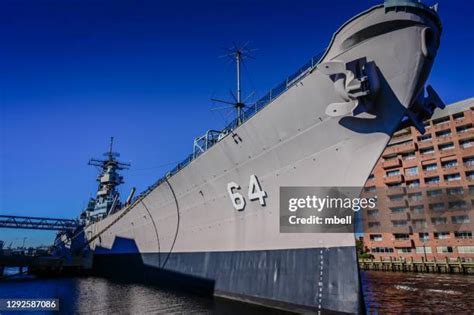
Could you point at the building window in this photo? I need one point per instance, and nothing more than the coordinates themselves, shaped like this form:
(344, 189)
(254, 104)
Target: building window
(376, 237)
(455, 191)
(466, 249)
(396, 197)
(423, 250)
(393, 173)
(398, 209)
(471, 189)
(373, 212)
(417, 209)
(441, 235)
(437, 206)
(371, 176)
(444, 249)
(458, 204)
(427, 150)
(370, 189)
(434, 193)
(394, 185)
(424, 236)
(430, 167)
(403, 250)
(440, 121)
(398, 223)
(439, 221)
(466, 143)
(432, 180)
(458, 116)
(390, 157)
(449, 164)
(421, 223)
(463, 129)
(470, 175)
(446, 146)
(373, 225)
(413, 183)
(458, 219)
(443, 133)
(408, 156)
(468, 161)
(452, 177)
(415, 196)
(381, 250)
(411, 171)
(401, 236)
(399, 144)
(424, 138)
(463, 234)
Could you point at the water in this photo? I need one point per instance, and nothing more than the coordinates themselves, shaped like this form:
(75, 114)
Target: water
(384, 293)
(389, 292)
(92, 295)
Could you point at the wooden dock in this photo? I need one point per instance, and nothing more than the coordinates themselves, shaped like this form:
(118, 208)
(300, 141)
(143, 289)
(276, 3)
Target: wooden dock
(409, 265)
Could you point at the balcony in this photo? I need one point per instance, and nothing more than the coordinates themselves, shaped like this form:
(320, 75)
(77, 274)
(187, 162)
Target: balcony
(445, 139)
(459, 121)
(411, 176)
(425, 144)
(441, 125)
(469, 165)
(418, 215)
(429, 173)
(402, 243)
(450, 168)
(401, 229)
(395, 191)
(395, 179)
(403, 215)
(394, 203)
(392, 163)
(465, 135)
(446, 152)
(416, 201)
(401, 148)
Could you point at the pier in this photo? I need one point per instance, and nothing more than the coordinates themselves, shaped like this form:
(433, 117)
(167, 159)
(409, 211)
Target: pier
(409, 265)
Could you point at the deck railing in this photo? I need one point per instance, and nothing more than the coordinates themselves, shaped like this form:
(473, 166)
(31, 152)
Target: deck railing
(247, 114)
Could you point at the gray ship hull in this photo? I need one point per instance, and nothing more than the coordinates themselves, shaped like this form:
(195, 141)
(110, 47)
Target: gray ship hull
(187, 225)
(248, 276)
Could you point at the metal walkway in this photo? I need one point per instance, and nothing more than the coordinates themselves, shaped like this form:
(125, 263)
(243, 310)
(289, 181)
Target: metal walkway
(34, 223)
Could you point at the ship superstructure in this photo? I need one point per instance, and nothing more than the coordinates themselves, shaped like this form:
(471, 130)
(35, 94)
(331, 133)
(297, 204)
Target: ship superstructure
(107, 199)
(213, 221)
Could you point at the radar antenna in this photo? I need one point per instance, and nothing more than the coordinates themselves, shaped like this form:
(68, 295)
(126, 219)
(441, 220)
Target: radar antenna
(107, 197)
(237, 53)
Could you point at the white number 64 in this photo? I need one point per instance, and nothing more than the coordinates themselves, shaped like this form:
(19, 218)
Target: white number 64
(255, 192)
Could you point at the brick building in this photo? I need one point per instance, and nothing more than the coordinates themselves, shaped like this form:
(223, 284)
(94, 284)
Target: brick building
(425, 187)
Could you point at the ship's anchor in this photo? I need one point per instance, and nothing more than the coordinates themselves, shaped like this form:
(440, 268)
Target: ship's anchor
(356, 82)
(423, 108)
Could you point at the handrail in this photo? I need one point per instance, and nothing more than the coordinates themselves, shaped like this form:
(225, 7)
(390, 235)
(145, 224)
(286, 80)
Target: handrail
(247, 114)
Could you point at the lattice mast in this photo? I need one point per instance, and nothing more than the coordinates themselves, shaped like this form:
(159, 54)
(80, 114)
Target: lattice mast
(107, 197)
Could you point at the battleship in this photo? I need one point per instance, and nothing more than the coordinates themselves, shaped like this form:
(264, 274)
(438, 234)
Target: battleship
(213, 221)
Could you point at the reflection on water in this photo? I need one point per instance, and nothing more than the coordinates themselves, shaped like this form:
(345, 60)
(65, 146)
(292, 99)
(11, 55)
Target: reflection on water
(91, 295)
(390, 292)
(385, 292)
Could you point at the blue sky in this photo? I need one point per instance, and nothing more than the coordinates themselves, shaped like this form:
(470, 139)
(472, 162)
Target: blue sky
(74, 73)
